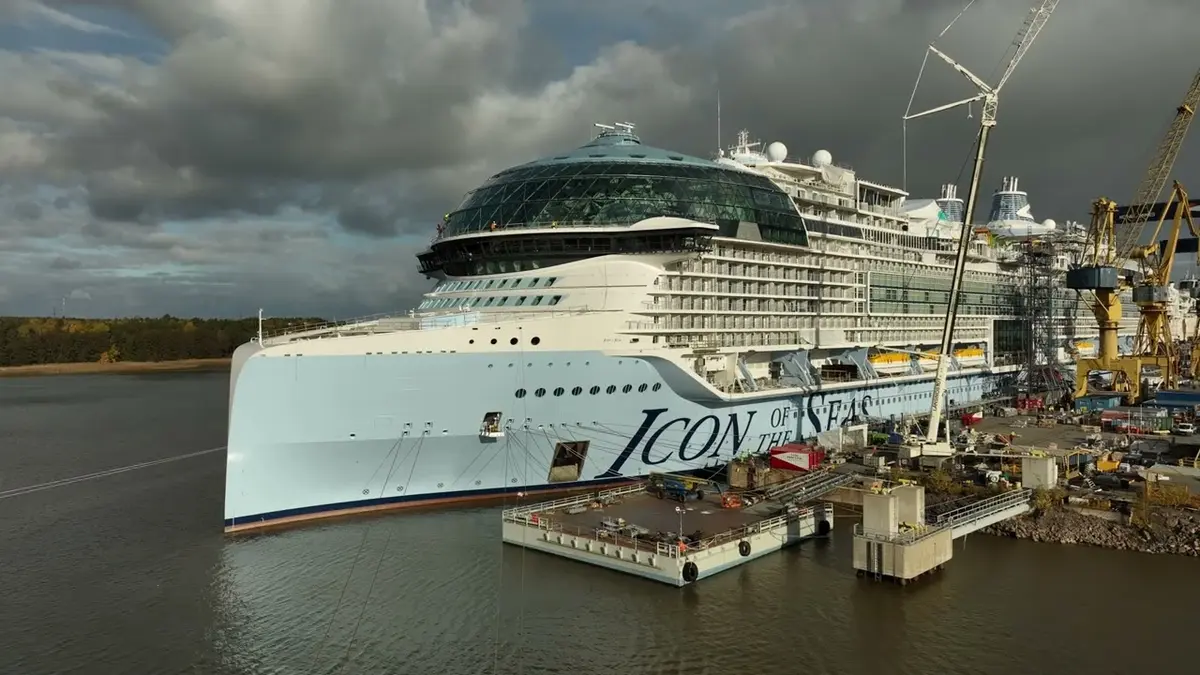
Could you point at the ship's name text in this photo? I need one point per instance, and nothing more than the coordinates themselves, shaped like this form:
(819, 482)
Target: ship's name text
(701, 440)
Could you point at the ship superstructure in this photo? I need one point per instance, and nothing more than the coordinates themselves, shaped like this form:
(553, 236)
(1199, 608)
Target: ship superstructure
(618, 309)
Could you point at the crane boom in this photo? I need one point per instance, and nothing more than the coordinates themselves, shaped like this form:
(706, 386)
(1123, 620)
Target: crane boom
(1034, 23)
(1141, 208)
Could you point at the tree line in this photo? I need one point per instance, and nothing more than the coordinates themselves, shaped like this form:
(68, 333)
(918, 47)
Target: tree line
(39, 340)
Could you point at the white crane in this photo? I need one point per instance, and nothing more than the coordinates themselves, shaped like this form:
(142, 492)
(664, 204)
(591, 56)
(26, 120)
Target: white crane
(990, 97)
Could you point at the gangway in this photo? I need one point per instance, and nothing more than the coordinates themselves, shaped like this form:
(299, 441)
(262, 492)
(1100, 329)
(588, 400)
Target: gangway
(978, 515)
(896, 540)
(808, 486)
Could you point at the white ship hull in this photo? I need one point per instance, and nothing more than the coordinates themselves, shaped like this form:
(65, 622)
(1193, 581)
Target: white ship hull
(321, 435)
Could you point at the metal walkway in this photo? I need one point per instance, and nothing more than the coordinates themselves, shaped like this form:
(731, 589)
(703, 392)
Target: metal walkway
(809, 486)
(976, 516)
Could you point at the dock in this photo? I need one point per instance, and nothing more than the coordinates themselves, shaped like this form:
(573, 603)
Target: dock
(896, 541)
(630, 529)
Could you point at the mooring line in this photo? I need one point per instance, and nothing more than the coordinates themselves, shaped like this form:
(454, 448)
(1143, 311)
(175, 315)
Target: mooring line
(28, 489)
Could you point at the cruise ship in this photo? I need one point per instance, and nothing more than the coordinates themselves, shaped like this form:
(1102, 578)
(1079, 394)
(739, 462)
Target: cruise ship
(619, 309)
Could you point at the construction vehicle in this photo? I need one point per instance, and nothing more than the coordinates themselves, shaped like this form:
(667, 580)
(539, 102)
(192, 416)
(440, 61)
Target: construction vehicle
(679, 487)
(1104, 276)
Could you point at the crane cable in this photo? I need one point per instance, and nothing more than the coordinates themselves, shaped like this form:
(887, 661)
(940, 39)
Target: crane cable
(912, 96)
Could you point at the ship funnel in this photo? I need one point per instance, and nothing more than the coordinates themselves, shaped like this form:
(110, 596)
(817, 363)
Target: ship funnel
(952, 207)
(1009, 203)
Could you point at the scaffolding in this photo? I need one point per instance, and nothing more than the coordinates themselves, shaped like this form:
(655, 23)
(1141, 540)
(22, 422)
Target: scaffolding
(1047, 314)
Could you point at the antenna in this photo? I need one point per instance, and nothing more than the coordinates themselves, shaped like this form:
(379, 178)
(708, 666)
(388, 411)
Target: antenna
(606, 127)
(627, 126)
(718, 115)
(990, 98)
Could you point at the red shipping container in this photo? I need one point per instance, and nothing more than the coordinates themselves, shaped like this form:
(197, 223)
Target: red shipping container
(796, 457)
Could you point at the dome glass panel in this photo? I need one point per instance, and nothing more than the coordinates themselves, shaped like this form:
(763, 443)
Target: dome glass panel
(621, 184)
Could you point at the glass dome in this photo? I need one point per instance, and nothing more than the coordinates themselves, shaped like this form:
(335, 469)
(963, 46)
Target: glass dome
(615, 180)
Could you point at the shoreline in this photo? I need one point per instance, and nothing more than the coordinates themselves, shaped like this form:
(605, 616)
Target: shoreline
(1170, 531)
(120, 367)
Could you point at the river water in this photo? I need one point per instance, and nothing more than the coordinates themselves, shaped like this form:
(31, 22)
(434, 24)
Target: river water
(129, 572)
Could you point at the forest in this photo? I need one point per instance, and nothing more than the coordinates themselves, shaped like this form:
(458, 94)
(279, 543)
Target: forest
(35, 340)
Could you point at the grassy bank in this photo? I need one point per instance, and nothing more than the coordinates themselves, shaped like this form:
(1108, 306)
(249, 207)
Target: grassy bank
(179, 365)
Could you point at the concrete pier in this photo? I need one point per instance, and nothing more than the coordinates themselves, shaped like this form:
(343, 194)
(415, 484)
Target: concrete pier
(894, 541)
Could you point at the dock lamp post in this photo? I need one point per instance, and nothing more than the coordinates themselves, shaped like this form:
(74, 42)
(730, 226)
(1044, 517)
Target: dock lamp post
(680, 510)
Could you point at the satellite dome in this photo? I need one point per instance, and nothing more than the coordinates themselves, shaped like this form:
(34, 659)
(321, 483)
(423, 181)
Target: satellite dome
(777, 152)
(822, 158)
(1049, 222)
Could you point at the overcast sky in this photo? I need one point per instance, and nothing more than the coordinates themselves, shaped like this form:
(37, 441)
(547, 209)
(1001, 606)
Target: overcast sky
(209, 157)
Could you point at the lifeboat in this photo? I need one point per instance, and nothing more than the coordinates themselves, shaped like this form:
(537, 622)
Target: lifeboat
(891, 362)
(970, 357)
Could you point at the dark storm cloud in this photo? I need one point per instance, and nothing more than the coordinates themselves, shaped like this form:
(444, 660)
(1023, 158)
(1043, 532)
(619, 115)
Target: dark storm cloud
(375, 116)
(64, 263)
(28, 210)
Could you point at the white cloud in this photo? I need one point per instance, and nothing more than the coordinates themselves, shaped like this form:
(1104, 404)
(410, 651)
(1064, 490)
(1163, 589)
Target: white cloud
(249, 163)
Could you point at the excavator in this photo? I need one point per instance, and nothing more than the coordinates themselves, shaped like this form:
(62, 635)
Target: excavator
(1104, 274)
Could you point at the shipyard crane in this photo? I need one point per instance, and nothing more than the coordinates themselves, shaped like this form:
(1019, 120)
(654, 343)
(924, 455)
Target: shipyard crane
(1109, 248)
(989, 96)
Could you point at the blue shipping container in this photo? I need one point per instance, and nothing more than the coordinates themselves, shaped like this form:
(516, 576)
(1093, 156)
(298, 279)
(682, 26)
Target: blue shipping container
(1097, 402)
(1177, 397)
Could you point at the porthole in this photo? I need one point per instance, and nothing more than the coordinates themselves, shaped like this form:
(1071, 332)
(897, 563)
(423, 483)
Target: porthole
(610, 389)
(577, 391)
(594, 390)
(539, 392)
(559, 391)
(470, 342)
(642, 388)
(493, 340)
(535, 341)
(656, 387)
(520, 393)
(512, 341)
(626, 389)
(441, 484)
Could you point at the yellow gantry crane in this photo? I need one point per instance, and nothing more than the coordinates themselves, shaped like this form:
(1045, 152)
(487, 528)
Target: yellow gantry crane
(1109, 250)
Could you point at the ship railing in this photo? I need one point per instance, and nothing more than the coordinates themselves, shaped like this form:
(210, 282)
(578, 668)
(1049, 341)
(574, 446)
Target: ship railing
(524, 512)
(600, 535)
(907, 536)
(759, 527)
(295, 329)
(392, 322)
